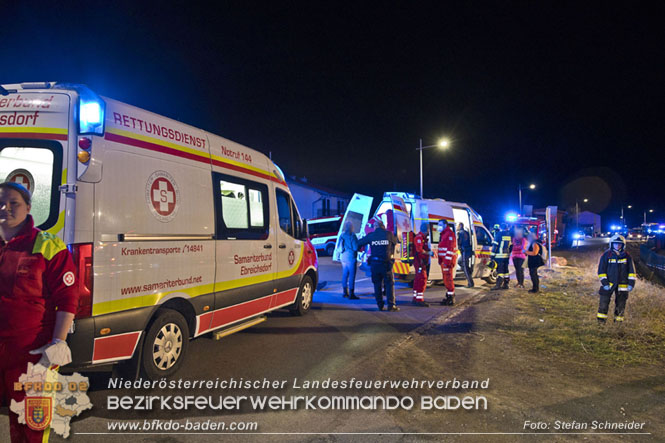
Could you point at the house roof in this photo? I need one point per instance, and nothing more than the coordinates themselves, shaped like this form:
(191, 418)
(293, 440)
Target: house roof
(305, 183)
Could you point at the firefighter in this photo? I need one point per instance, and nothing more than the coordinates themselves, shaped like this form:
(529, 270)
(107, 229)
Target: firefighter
(447, 254)
(38, 299)
(382, 250)
(617, 276)
(501, 254)
(421, 261)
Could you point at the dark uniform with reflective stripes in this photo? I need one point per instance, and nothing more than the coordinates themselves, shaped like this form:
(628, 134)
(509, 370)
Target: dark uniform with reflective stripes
(382, 244)
(616, 271)
(501, 254)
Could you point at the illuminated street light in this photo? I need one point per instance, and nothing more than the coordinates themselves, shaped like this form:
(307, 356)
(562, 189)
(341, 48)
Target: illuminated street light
(444, 143)
(519, 189)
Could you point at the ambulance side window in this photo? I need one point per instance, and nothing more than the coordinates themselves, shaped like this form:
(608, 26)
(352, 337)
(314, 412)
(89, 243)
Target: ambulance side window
(484, 237)
(241, 208)
(284, 211)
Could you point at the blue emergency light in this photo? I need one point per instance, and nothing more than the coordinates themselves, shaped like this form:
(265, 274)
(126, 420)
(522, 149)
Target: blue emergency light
(511, 217)
(91, 109)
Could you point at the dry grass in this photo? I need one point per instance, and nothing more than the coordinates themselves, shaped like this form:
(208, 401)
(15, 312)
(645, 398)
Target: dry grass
(561, 321)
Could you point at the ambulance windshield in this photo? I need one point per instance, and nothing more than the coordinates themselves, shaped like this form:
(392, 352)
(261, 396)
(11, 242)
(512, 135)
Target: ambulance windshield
(34, 168)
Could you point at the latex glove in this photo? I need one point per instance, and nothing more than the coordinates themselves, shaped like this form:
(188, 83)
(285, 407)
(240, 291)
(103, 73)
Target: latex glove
(607, 287)
(630, 288)
(56, 352)
(431, 253)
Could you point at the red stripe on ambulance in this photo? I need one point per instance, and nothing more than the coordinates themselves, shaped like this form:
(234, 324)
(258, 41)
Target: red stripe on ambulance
(115, 347)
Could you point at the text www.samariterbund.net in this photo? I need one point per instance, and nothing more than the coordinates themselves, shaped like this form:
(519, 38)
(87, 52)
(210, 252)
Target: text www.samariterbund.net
(157, 425)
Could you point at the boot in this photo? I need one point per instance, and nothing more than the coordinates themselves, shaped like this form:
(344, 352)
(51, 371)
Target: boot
(352, 295)
(346, 293)
(506, 283)
(421, 303)
(498, 285)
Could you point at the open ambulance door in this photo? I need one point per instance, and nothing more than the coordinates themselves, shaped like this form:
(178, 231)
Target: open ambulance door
(358, 214)
(401, 225)
(463, 215)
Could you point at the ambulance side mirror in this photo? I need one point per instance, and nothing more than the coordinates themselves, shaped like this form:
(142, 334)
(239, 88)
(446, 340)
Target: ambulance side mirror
(301, 230)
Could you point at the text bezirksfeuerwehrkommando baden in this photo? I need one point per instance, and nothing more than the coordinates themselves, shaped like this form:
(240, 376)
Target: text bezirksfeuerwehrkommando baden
(341, 399)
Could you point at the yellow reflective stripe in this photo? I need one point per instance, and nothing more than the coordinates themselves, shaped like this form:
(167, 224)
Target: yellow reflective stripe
(623, 286)
(35, 130)
(631, 275)
(619, 318)
(602, 275)
(601, 315)
(48, 245)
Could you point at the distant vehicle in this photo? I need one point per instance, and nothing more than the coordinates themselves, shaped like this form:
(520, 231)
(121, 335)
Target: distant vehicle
(323, 233)
(635, 234)
(403, 213)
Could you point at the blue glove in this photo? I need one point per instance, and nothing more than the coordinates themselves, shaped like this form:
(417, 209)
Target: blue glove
(630, 288)
(431, 253)
(607, 287)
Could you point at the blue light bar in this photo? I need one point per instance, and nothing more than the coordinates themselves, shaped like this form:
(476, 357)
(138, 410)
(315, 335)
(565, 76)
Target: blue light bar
(511, 217)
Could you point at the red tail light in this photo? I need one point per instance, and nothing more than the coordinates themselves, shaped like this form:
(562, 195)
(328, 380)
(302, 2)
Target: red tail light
(82, 255)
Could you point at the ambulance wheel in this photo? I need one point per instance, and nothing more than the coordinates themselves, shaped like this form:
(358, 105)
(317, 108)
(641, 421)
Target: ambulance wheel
(165, 344)
(491, 278)
(330, 250)
(304, 299)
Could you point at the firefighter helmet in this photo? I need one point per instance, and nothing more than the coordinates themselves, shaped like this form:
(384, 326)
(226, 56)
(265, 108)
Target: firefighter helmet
(492, 264)
(618, 239)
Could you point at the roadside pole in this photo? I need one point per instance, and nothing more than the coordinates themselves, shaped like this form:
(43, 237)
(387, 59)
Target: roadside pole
(548, 215)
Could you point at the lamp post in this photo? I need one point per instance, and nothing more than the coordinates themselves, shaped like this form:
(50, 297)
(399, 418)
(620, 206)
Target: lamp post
(577, 211)
(443, 144)
(645, 216)
(519, 189)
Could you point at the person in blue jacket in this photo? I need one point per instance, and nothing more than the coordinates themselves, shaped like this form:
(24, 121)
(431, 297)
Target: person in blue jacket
(348, 248)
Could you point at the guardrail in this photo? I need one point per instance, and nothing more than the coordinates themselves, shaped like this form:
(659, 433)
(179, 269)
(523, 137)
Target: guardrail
(654, 262)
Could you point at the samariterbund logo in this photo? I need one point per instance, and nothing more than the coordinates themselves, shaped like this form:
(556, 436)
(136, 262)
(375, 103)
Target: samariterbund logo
(292, 257)
(22, 177)
(162, 196)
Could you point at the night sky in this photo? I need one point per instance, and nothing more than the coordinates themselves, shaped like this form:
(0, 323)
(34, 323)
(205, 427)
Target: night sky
(566, 95)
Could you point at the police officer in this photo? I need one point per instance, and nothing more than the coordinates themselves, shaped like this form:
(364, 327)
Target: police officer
(421, 262)
(466, 248)
(617, 276)
(38, 300)
(501, 254)
(382, 249)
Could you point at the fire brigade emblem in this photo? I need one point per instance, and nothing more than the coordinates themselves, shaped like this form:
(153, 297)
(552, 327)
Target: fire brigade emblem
(38, 412)
(292, 257)
(162, 196)
(22, 177)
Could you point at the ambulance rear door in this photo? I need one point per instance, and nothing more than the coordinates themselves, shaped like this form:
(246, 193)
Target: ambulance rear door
(401, 225)
(34, 133)
(357, 213)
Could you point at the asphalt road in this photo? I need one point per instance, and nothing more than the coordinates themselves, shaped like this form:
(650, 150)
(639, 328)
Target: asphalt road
(333, 337)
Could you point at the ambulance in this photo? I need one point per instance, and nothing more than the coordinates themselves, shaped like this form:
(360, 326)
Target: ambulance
(403, 212)
(175, 232)
(323, 233)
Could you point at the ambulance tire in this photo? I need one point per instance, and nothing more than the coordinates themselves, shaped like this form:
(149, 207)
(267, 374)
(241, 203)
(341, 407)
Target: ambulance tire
(169, 327)
(330, 250)
(491, 278)
(304, 299)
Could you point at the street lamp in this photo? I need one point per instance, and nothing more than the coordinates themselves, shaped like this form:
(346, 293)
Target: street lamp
(645, 215)
(442, 144)
(519, 188)
(577, 211)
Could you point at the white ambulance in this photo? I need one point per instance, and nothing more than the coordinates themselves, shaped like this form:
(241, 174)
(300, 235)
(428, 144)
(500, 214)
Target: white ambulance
(176, 232)
(403, 212)
(323, 233)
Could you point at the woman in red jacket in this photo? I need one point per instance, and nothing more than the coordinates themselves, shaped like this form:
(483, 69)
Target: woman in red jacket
(38, 300)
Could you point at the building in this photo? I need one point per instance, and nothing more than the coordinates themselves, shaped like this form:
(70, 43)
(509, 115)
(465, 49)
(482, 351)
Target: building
(317, 201)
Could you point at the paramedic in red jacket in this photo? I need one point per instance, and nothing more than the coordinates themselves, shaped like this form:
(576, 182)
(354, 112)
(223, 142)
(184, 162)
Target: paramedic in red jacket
(37, 300)
(447, 254)
(421, 261)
